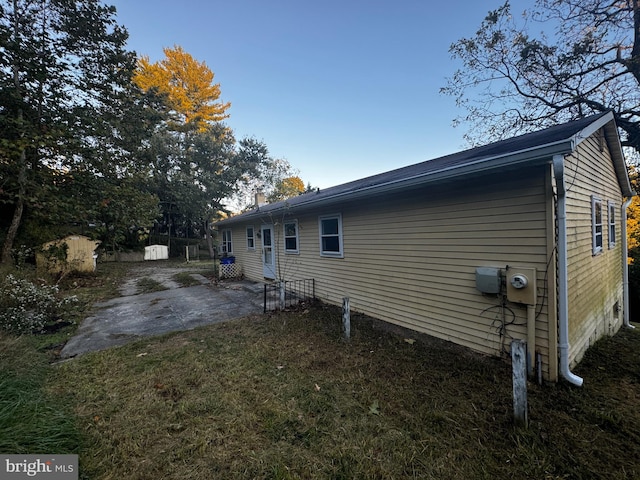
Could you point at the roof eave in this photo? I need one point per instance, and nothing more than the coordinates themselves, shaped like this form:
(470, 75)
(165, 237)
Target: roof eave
(536, 155)
(531, 157)
(613, 140)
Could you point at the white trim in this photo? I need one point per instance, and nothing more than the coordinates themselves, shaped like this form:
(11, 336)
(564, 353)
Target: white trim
(269, 252)
(611, 221)
(297, 237)
(331, 253)
(535, 155)
(595, 235)
(252, 237)
(226, 241)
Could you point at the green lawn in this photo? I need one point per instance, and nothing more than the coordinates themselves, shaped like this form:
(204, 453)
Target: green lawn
(284, 396)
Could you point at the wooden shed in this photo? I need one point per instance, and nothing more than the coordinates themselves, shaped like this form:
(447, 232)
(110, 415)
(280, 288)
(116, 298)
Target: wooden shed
(519, 239)
(72, 253)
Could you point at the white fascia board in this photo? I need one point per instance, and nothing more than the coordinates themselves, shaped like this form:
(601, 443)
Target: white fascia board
(619, 163)
(613, 140)
(592, 128)
(536, 155)
(531, 156)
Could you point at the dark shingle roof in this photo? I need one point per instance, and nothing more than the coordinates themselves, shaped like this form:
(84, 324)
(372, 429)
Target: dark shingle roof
(540, 145)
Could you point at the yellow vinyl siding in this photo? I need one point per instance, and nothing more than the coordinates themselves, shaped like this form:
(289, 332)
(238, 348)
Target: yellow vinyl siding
(410, 258)
(595, 281)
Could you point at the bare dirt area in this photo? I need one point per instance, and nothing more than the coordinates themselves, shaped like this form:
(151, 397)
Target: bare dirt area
(154, 300)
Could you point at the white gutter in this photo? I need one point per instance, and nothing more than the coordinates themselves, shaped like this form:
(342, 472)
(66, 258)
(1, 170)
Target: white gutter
(625, 264)
(563, 297)
(539, 153)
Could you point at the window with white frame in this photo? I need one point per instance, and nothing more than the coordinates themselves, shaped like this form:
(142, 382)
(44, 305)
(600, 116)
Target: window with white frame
(291, 236)
(330, 227)
(251, 238)
(596, 224)
(612, 224)
(227, 245)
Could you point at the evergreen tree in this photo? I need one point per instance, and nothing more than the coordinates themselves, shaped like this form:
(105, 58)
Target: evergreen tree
(66, 103)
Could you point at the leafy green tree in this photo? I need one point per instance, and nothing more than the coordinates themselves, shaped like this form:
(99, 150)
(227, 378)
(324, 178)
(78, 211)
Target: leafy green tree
(66, 102)
(123, 213)
(194, 171)
(195, 161)
(267, 179)
(559, 60)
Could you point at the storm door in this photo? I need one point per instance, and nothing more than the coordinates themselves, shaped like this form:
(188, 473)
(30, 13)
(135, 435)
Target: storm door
(268, 252)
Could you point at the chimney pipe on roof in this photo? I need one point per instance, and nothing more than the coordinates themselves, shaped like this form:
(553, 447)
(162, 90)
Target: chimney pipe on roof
(260, 199)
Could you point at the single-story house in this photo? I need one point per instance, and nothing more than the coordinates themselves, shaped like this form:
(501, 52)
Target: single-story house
(519, 239)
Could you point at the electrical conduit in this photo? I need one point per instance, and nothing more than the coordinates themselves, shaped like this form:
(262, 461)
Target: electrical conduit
(531, 338)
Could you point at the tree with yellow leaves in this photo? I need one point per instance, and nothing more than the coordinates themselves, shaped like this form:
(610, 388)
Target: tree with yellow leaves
(633, 224)
(286, 188)
(633, 218)
(187, 86)
(633, 244)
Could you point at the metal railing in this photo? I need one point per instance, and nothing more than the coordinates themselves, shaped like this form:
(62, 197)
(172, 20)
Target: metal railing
(285, 294)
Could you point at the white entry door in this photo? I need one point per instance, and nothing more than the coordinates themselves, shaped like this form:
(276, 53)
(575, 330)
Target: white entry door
(268, 252)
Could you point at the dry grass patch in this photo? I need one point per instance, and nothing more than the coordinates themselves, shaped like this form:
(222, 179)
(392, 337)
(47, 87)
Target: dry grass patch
(99, 286)
(285, 397)
(185, 279)
(149, 285)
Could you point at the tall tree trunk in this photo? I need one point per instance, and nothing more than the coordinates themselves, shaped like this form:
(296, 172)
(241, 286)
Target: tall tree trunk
(22, 174)
(207, 235)
(17, 213)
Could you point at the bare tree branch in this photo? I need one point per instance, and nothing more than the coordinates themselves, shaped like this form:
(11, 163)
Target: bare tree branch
(587, 60)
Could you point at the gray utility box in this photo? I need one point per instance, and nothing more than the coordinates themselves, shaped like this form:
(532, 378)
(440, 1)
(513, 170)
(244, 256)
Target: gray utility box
(489, 279)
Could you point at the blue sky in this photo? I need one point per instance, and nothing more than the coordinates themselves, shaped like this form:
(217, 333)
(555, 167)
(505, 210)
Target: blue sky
(341, 89)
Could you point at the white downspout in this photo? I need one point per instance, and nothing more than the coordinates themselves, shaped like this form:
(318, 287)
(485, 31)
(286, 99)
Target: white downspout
(625, 264)
(563, 298)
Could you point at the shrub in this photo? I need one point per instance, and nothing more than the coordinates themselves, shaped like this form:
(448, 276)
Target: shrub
(23, 256)
(27, 308)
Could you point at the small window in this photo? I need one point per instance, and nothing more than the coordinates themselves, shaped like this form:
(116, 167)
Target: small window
(331, 236)
(596, 224)
(612, 225)
(227, 245)
(251, 239)
(291, 237)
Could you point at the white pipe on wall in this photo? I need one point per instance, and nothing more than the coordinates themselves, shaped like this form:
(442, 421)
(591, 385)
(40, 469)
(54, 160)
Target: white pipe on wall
(563, 298)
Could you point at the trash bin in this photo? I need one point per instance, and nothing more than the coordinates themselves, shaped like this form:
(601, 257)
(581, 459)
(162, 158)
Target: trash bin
(227, 260)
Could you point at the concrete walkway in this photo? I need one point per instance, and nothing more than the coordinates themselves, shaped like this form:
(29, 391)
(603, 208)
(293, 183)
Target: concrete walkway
(131, 317)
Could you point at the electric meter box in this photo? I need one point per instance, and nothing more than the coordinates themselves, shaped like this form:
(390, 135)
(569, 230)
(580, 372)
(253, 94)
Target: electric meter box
(521, 285)
(488, 279)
